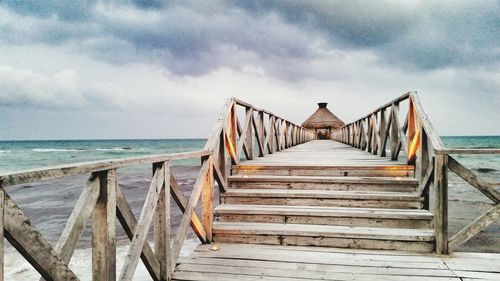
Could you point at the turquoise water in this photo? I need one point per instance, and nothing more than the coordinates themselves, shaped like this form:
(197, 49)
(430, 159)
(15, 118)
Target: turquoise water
(20, 155)
(488, 165)
(472, 141)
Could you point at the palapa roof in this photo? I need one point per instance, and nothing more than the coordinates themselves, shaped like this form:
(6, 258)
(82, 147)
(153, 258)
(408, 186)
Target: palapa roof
(323, 118)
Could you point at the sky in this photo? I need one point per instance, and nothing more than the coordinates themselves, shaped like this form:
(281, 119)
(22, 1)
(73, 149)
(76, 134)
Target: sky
(87, 69)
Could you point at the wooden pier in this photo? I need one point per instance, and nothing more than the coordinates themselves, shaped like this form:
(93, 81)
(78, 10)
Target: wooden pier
(369, 204)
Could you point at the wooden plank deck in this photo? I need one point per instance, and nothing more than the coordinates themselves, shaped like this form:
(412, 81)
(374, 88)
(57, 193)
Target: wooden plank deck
(313, 169)
(291, 263)
(322, 153)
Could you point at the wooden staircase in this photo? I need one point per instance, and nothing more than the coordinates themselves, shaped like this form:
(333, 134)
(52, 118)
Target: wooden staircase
(369, 207)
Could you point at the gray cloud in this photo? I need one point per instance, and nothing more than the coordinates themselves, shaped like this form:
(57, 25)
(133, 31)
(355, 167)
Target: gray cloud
(425, 35)
(196, 37)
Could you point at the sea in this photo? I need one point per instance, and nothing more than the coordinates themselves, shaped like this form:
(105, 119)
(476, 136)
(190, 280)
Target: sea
(48, 204)
(30, 154)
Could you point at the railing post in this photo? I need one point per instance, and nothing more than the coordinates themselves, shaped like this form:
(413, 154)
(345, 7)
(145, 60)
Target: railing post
(260, 127)
(441, 203)
(104, 228)
(222, 157)
(411, 127)
(285, 134)
(382, 133)
(271, 133)
(249, 134)
(394, 132)
(207, 214)
(162, 225)
(277, 133)
(423, 164)
(232, 132)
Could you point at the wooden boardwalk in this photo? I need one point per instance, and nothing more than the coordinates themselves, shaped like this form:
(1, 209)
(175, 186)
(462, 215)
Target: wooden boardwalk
(249, 262)
(324, 193)
(282, 239)
(322, 153)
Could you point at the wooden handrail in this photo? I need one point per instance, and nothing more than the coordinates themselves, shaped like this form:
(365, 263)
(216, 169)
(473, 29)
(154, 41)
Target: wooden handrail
(469, 151)
(423, 148)
(104, 200)
(39, 174)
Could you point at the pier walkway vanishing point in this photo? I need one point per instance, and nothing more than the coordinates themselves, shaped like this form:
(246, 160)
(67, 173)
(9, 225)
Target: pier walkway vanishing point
(369, 204)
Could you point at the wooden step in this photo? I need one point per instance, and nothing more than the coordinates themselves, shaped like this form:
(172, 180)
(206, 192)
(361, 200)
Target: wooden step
(329, 198)
(405, 184)
(325, 170)
(368, 217)
(324, 235)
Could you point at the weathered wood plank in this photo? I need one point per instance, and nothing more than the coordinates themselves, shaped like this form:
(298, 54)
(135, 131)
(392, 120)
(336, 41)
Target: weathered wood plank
(188, 213)
(182, 202)
(231, 148)
(82, 211)
(426, 180)
(239, 131)
(221, 158)
(271, 135)
(394, 134)
(219, 126)
(162, 228)
(243, 133)
(221, 182)
(104, 229)
(143, 225)
(30, 243)
(473, 179)
(207, 212)
(474, 228)
(261, 133)
(383, 133)
(435, 140)
(402, 136)
(441, 203)
(36, 175)
(129, 223)
(469, 151)
(258, 134)
(424, 161)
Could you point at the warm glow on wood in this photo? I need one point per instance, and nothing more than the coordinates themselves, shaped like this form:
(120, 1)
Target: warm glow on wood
(415, 144)
(231, 149)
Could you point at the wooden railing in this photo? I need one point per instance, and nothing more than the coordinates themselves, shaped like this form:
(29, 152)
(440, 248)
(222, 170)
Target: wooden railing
(103, 200)
(422, 147)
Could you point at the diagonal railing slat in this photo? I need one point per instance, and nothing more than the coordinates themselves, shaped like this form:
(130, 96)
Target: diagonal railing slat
(30, 243)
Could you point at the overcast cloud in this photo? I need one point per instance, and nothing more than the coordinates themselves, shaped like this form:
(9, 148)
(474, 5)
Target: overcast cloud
(123, 69)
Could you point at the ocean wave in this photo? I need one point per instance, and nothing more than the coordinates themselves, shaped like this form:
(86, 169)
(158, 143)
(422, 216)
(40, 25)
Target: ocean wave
(486, 170)
(56, 150)
(114, 149)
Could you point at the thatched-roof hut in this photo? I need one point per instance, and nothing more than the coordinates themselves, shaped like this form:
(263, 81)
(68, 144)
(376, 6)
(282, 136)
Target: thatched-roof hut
(323, 121)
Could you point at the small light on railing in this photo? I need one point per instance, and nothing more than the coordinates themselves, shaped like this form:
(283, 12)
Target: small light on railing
(215, 247)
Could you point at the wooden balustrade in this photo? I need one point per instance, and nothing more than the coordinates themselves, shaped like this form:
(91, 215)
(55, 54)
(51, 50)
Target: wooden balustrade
(103, 200)
(422, 147)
